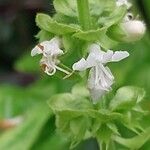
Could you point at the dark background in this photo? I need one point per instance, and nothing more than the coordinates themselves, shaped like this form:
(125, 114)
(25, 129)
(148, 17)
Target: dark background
(17, 31)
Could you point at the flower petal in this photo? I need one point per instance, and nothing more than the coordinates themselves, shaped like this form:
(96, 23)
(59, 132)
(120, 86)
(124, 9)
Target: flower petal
(95, 91)
(96, 54)
(52, 47)
(119, 55)
(107, 56)
(81, 65)
(94, 48)
(106, 71)
(37, 50)
(107, 81)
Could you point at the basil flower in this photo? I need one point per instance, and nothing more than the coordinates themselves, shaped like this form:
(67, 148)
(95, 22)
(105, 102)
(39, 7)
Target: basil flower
(50, 51)
(100, 77)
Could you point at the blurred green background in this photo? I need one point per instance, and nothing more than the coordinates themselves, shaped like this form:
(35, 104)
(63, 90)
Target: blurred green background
(25, 120)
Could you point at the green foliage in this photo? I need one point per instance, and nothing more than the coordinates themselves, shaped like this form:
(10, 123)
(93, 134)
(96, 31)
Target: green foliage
(115, 17)
(92, 35)
(119, 119)
(135, 142)
(68, 8)
(79, 119)
(66, 11)
(44, 35)
(46, 23)
(27, 64)
(27, 132)
(126, 98)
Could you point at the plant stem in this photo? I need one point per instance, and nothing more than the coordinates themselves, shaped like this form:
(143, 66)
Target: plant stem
(102, 146)
(84, 14)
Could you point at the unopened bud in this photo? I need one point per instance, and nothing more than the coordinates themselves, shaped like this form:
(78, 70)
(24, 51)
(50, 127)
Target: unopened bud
(128, 31)
(134, 30)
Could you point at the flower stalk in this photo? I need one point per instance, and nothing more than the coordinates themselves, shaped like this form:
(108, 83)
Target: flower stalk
(84, 14)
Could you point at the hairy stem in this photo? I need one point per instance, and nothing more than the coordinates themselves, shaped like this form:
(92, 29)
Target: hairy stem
(84, 14)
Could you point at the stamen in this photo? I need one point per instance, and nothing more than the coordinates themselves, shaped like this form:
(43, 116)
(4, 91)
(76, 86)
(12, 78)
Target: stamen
(62, 70)
(50, 71)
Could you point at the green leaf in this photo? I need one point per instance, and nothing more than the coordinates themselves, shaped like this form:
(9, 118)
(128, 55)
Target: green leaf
(68, 102)
(69, 7)
(59, 17)
(91, 35)
(126, 98)
(113, 128)
(23, 136)
(15, 100)
(46, 23)
(97, 7)
(114, 17)
(44, 36)
(98, 36)
(116, 33)
(135, 142)
(67, 107)
(27, 64)
(78, 127)
(80, 90)
(104, 115)
(104, 134)
(132, 122)
(71, 115)
(66, 7)
(106, 42)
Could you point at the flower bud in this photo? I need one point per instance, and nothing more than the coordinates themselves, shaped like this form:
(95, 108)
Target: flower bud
(134, 29)
(128, 31)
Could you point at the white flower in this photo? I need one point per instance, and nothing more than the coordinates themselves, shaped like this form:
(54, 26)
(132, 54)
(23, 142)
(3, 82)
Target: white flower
(50, 51)
(46, 48)
(123, 2)
(100, 77)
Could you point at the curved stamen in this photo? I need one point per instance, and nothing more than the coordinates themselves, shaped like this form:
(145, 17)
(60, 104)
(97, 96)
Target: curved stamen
(62, 70)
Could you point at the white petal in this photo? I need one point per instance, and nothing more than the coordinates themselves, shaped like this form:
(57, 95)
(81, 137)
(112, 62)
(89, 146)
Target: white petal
(56, 40)
(107, 56)
(92, 78)
(106, 81)
(94, 90)
(91, 60)
(52, 47)
(81, 65)
(36, 50)
(106, 71)
(95, 48)
(96, 54)
(119, 55)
